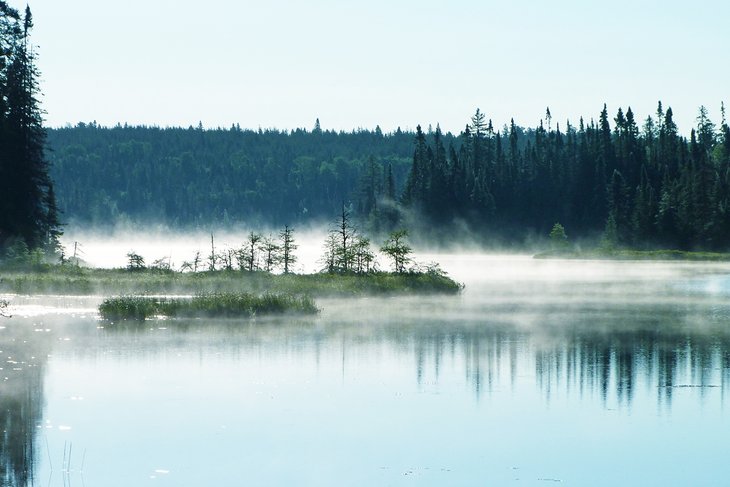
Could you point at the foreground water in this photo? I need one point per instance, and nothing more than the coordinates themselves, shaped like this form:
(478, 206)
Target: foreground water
(582, 373)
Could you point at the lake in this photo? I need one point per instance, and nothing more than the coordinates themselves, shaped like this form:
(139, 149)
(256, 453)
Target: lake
(540, 373)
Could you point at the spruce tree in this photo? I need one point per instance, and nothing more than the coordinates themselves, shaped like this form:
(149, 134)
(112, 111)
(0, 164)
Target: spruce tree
(287, 248)
(28, 211)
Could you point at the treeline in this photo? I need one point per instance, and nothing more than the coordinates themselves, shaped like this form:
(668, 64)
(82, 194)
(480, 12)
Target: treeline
(638, 186)
(200, 177)
(28, 214)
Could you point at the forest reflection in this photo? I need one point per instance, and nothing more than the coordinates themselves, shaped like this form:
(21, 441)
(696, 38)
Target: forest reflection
(587, 352)
(601, 351)
(23, 352)
(616, 354)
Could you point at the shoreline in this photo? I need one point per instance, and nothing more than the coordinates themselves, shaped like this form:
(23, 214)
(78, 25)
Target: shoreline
(73, 280)
(636, 255)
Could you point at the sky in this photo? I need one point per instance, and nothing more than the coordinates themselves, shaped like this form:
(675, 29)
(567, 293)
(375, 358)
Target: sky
(357, 64)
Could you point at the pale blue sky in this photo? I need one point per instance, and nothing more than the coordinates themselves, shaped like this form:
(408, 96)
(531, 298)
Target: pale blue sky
(394, 63)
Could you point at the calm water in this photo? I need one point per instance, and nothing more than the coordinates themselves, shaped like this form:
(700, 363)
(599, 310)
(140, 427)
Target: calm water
(579, 373)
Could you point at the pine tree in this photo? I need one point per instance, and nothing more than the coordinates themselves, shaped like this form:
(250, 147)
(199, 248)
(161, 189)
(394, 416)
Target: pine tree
(345, 236)
(272, 253)
(287, 248)
(416, 186)
(28, 210)
(437, 199)
(248, 259)
(558, 238)
(705, 131)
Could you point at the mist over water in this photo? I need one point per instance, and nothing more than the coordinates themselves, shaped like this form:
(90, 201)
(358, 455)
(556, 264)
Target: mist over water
(587, 373)
(109, 249)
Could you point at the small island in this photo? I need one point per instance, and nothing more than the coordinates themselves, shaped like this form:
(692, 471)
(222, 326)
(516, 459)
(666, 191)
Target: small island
(255, 279)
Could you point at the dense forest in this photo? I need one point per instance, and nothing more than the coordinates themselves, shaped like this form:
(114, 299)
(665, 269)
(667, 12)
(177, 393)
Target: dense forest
(630, 183)
(638, 186)
(199, 177)
(28, 214)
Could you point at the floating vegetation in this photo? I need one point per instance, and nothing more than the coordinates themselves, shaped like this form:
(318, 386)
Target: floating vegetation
(219, 305)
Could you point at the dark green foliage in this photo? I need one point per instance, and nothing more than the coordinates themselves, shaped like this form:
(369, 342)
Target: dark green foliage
(228, 305)
(647, 189)
(558, 238)
(28, 211)
(656, 187)
(190, 177)
(135, 262)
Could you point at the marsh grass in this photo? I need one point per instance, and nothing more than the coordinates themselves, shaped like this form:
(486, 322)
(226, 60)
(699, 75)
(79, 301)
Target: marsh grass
(217, 305)
(626, 254)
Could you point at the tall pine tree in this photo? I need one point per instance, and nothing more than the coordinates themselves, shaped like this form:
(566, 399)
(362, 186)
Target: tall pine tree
(28, 213)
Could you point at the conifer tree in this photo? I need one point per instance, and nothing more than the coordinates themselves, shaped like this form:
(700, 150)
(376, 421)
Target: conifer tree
(28, 211)
(272, 253)
(398, 250)
(558, 238)
(287, 248)
(249, 252)
(345, 233)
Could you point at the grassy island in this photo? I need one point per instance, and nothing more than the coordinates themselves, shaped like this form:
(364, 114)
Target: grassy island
(68, 279)
(219, 305)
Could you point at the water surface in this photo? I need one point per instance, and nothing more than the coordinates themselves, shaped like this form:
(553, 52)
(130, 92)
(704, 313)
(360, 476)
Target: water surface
(542, 372)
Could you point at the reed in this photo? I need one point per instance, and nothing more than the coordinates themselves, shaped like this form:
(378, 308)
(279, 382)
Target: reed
(219, 305)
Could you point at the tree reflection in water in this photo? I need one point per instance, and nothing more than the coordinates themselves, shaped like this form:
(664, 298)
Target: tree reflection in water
(615, 354)
(22, 361)
(604, 351)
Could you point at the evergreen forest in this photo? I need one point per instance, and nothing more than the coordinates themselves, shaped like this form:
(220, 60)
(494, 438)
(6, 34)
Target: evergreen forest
(196, 177)
(632, 183)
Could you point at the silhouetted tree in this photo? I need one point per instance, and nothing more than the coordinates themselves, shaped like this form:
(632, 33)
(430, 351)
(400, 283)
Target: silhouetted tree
(287, 248)
(272, 253)
(27, 200)
(135, 262)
